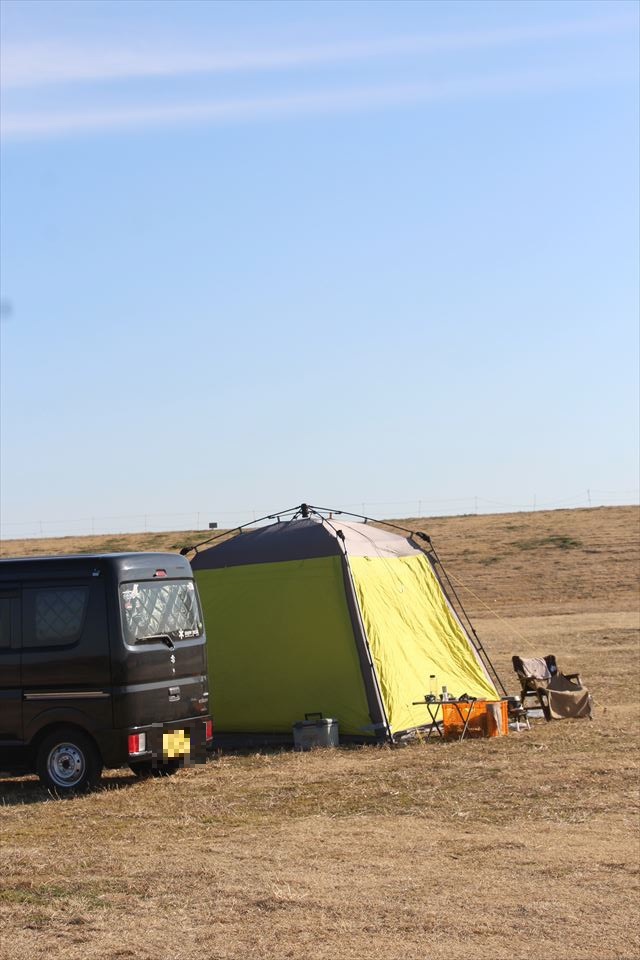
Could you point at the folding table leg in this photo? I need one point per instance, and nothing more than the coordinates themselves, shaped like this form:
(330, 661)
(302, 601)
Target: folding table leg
(466, 720)
(434, 722)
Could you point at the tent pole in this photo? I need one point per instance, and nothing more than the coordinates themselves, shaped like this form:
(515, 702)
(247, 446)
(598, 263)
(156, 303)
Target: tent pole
(364, 650)
(358, 516)
(250, 523)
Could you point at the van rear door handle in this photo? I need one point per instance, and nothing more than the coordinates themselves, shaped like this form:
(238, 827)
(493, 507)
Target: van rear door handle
(174, 694)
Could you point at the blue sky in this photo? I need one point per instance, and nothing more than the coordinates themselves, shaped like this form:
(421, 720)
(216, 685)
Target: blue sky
(350, 253)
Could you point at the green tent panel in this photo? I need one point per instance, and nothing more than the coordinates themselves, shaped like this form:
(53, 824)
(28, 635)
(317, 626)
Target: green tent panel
(281, 645)
(329, 616)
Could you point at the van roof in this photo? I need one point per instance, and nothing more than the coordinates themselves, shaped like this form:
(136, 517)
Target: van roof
(125, 566)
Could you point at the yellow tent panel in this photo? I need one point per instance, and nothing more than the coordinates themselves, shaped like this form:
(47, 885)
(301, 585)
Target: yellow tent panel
(413, 634)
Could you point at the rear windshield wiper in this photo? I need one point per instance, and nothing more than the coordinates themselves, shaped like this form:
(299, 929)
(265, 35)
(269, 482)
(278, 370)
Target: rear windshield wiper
(163, 637)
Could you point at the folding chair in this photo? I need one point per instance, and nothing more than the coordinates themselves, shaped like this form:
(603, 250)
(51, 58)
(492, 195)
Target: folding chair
(558, 694)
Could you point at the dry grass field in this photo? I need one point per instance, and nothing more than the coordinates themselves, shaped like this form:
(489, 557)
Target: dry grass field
(526, 845)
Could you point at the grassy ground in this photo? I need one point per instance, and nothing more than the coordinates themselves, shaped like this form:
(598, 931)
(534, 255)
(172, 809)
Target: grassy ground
(526, 845)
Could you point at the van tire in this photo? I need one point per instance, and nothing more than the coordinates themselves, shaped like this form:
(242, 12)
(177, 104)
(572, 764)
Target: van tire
(68, 762)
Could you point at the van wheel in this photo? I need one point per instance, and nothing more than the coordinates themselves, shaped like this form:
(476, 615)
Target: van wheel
(68, 762)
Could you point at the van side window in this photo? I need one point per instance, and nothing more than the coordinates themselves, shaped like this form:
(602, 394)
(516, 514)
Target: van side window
(5, 622)
(54, 616)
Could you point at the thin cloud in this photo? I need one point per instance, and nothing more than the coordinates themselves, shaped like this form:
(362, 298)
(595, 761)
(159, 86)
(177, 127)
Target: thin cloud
(44, 64)
(51, 124)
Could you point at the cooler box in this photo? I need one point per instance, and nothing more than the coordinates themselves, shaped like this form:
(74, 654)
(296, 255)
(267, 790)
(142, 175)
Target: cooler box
(315, 731)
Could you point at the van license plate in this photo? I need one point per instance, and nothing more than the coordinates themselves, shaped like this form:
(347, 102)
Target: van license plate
(175, 743)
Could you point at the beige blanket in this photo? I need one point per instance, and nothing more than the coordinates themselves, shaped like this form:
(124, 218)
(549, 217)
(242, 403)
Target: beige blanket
(567, 699)
(536, 667)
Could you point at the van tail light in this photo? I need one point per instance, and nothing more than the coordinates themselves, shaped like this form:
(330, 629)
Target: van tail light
(208, 730)
(137, 744)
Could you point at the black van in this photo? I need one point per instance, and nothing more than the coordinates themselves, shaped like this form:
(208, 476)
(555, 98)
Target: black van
(102, 663)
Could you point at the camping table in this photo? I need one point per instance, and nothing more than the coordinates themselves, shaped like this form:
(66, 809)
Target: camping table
(436, 704)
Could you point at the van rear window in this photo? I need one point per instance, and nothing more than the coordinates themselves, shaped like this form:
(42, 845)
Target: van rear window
(153, 611)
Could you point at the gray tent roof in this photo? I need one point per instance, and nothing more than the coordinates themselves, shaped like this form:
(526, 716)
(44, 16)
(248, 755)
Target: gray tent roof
(303, 539)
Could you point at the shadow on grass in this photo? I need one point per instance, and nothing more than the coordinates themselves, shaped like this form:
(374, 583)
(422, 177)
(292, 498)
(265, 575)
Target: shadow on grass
(16, 791)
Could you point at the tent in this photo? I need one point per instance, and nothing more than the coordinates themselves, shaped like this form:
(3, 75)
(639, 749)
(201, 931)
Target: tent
(322, 614)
